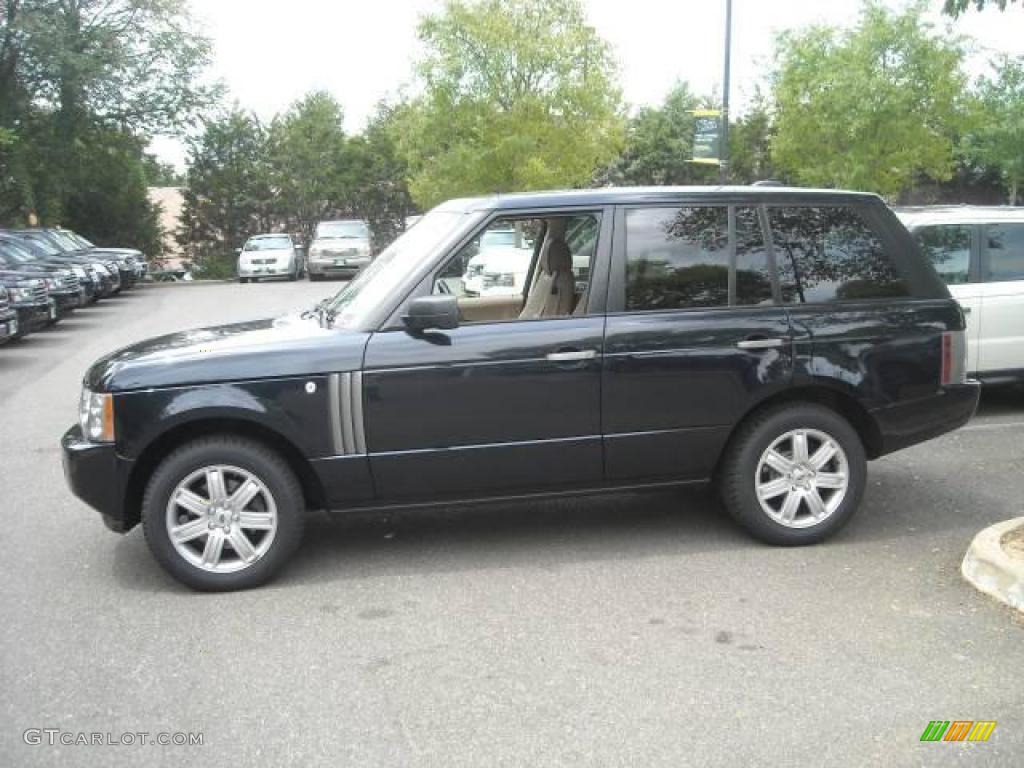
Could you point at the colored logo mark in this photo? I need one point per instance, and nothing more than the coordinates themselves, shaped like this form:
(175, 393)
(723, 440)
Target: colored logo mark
(958, 730)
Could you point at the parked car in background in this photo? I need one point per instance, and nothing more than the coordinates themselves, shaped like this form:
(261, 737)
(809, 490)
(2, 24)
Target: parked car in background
(272, 255)
(132, 257)
(122, 260)
(105, 270)
(32, 253)
(30, 299)
(8, 318)
(979, 252)
(339, 248)
(501, 268)
(771, 339)
(61, 282)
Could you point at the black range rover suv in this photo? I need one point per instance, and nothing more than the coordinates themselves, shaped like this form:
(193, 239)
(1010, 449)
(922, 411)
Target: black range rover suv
(771, 340)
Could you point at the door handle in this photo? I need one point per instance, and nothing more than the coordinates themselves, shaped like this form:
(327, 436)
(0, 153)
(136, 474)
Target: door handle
(760, 343)
(572, 356)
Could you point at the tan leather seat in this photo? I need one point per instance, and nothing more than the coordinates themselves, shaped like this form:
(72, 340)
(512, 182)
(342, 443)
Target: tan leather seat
(552, 292)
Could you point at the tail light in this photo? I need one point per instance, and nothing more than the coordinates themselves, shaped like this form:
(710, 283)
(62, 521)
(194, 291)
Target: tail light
(954, 358)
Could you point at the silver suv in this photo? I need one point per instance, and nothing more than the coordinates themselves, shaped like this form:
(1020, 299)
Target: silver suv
(339, 248)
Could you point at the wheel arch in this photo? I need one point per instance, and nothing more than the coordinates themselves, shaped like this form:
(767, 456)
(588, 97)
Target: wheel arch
(834, 399)
(160, 447)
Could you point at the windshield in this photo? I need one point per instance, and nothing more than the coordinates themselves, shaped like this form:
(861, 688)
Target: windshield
(43, 242)
(15, 252)
(67, 243)
(82, 242)
(386, 273)
(348, 230)
(268, 243)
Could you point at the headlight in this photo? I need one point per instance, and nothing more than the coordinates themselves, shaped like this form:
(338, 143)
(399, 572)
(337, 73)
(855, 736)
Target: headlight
(52, 283)
(96, 416)
(80, 272)
(20, 294)
(503, 279)
(99, 269)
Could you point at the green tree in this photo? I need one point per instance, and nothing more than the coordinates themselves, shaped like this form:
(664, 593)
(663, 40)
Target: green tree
(873, 107)
(957, 7)
(659, 144)
(516, 95)
(750, 140)
(998, 140)
(228, 196)
(377, 173)
(308, 160)
(74, 70)
(107, 195)
(160, 174)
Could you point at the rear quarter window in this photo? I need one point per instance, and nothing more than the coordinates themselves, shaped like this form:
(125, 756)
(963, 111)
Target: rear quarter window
(948, 248)
(1005, 247)
(831, 253)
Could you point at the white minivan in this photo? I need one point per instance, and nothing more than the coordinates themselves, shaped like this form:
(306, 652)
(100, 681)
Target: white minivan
(979, 252)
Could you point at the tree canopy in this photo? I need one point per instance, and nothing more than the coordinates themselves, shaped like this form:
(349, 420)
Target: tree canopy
(873, 107)
(997, 140)
(516, 95)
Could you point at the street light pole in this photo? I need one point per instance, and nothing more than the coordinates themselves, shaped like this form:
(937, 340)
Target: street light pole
(723, 146)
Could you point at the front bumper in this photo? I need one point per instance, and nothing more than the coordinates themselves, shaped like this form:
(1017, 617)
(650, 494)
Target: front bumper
(67, 301)
(99, 477)
(265, 270)
(34, 316)
(8, 326)
(906, 424)
(127, 277)
(349, 265)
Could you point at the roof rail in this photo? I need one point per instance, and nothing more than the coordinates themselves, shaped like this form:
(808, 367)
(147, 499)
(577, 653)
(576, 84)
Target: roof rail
(768, 183)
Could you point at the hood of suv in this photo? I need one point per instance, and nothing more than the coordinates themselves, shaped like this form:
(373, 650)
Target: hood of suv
(277, 348)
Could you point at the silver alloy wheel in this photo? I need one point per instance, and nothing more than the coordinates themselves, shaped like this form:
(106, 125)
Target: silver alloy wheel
(802, 478)
(221, 519)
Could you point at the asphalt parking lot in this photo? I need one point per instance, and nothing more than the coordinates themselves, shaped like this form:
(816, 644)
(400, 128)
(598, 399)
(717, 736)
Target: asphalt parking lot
(628, 630)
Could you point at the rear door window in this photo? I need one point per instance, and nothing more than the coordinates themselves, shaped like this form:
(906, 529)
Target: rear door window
(677, 258)
(828, 254)
(948, 247)
(1005, 247)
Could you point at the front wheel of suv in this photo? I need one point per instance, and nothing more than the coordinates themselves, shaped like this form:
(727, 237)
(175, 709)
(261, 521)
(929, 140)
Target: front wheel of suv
(223, 513)
(793, 474)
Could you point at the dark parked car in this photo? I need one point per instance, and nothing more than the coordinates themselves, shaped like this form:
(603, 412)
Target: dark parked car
(772, 340)
(132, 257)
(8, 318)
(105, 267)
(100, 278)
(61, 282)
(30, 299)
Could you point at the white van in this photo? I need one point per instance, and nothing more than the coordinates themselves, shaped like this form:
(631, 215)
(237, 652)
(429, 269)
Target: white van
(979, 252)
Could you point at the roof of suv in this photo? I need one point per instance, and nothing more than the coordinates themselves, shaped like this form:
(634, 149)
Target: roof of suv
(628, 195)
(958, 214)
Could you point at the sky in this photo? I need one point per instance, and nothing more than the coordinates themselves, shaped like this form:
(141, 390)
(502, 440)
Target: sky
(270, 53)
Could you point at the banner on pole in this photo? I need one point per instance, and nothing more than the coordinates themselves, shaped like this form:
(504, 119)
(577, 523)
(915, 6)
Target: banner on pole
(707, 129)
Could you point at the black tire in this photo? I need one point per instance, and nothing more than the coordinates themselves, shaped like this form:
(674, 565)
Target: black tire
(245, 454)
(315, 278)
(739, 468)
(293, 276)
(243, 280)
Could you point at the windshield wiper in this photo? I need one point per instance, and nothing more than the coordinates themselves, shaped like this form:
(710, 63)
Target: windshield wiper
(323, 314)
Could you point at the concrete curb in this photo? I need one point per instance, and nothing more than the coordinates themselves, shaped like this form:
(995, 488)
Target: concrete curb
(991, 569)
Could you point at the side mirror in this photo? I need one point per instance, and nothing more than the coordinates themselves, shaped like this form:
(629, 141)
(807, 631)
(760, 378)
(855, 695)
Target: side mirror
(439, 312)
(238, 250)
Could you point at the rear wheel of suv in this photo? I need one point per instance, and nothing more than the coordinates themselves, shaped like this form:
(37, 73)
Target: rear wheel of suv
(223, 513)
(793, 474)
